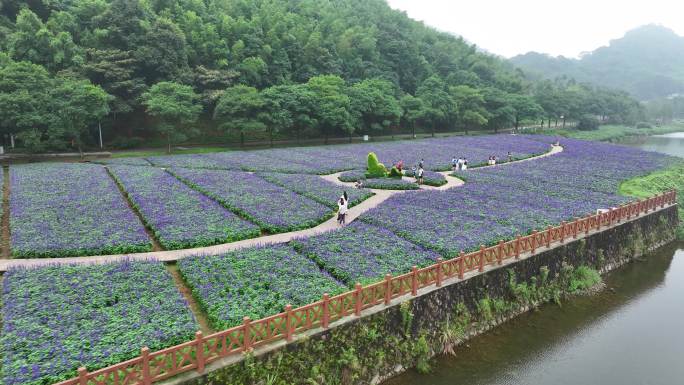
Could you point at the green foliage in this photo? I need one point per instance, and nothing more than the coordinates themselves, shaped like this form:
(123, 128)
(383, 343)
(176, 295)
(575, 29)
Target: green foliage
(47, 112)
(406, 317)
(613, 132)
(587, 123)
(265, 68)
(422, 351)
(238, 109)
(646, 186)
(375, 169)
(583, 278)
(176, 106)
(395, 173)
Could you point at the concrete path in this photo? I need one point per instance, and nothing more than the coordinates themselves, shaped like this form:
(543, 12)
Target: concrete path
(329, 225)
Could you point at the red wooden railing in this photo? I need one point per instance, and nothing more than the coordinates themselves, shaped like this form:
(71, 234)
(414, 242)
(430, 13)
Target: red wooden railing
(156, 366)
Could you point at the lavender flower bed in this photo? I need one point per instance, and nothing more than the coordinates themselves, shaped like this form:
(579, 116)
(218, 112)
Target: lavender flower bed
(363, 253)
(500, 202)
(180, 216)
(58, 318)
(352, 176)
(125, 161)
(390, 184)
(431, 178)
(437, 153)
(66, 209)
(191, 161)
(255, 282)
(316, 188)
(272, 207)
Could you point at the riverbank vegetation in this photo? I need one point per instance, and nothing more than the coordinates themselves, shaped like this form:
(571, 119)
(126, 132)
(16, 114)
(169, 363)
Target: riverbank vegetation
(657, 182)
(218, 71)
(615, 132)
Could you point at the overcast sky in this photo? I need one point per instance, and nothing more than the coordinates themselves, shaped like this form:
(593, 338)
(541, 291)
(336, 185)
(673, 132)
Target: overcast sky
(511, 27)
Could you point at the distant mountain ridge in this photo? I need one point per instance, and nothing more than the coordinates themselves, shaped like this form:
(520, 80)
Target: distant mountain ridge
(647, 62)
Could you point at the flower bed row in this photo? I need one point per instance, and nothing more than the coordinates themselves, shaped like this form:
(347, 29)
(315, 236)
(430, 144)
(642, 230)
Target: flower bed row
(316, 188)
(56, 319)
(67, 209)
(437, 154)
(274, 208)
(180, 216)
(430, 178)
(363, 253)
(254, 282)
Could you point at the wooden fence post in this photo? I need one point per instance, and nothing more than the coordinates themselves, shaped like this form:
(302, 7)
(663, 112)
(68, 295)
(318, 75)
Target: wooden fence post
(461, 264)
(587, 222)
(388, 289)
(575, 224)
(533, 243)
(562, 231)
(199, 351)
(549, 235)
(82, 376)
(246, 334)
(145, 355)
(414, 280)
(326, 311)
(358, 301)
(438, 277)
(499, 252)
(288, 322)
(517, 246)
(482, 258)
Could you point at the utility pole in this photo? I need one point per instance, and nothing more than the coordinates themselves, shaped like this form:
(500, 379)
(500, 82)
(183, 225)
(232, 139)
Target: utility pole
(99, 128)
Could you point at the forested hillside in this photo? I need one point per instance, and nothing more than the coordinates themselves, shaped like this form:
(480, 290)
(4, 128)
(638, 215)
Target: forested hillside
(228, 69)
(648, 62)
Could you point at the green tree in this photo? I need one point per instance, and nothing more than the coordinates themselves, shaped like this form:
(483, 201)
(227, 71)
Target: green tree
(176, 106)
(525, 109)
(239, 110)
(374, 106)
(470, 107)
(24, 99)
(332, 104)
(77, 104)
(413, 110)
(437, 103)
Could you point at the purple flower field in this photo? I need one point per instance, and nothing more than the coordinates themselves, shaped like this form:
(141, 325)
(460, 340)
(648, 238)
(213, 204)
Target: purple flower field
(437, 153)
(68, 209)
(255, 282)
(316, 188)
(363, 253)
(500, 202)
(58, 318)
(273, 208)
(180, 216)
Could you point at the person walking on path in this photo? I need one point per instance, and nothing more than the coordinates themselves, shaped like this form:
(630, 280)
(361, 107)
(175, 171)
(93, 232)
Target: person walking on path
(342, 207)
(454, 163)
(510, 156)
(421, 164)
(419, 175)
(464, 166)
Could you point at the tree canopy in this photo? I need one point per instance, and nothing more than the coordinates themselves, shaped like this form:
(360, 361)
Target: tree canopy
(252, 67)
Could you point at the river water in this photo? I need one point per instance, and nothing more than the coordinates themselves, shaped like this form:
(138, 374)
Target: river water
(671, 144)
(631, 333)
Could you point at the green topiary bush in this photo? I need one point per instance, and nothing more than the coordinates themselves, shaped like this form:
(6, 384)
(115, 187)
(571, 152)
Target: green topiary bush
(395, 173)
(375, 168)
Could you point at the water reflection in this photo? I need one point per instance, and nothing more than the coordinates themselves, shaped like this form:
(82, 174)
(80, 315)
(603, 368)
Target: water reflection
(671, 144)
(631, 334)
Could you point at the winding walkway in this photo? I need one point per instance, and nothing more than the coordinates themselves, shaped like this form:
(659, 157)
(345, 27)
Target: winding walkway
(329, 225)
